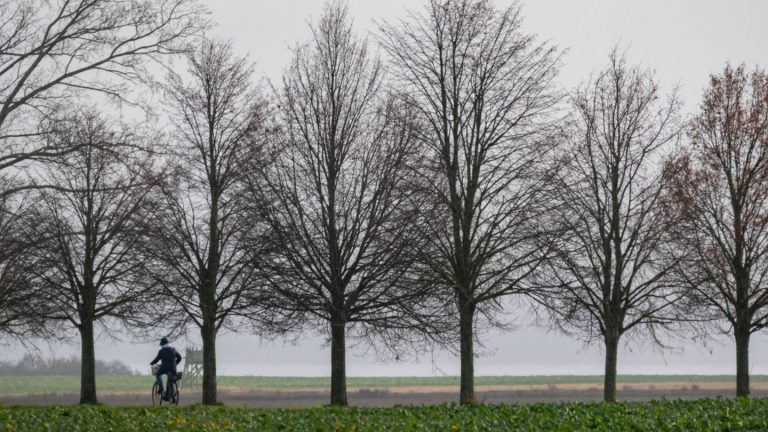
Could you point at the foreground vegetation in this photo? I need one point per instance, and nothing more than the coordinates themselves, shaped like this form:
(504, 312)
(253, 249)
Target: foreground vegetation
(705, 414)
(45, 385)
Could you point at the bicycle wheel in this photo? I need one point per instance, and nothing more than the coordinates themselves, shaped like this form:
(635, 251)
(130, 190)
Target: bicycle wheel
(156, 399)
(175, 399)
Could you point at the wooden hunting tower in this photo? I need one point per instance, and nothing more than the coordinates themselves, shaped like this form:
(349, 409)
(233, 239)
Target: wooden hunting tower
(193, 367)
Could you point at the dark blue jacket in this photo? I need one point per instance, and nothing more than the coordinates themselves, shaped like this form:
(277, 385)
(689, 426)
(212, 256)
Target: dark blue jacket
(169, 358)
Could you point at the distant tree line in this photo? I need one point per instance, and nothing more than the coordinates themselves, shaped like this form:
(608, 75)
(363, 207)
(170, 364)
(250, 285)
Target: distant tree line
(402, 199)
(34, 364)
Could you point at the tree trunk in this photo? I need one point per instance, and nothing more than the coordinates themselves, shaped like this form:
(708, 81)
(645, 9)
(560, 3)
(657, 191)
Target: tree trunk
(742, 361)
(611, 356)
(466, 340)
(338, 365)
(208, 333)
(87, 363)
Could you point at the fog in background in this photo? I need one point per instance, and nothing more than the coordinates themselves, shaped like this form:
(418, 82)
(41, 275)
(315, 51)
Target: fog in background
(683, 40)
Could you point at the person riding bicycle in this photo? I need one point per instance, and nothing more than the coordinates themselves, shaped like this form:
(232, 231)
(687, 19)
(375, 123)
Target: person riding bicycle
(169, 358)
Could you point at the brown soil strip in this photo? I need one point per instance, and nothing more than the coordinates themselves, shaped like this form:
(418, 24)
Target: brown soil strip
(505, 388)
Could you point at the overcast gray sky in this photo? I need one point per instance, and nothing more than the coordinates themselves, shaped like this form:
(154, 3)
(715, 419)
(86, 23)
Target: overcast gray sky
(683, 40)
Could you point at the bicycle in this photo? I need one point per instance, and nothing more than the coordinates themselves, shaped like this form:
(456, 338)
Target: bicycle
(157, 399)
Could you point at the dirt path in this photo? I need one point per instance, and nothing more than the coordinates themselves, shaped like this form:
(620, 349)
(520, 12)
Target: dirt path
(723, 386)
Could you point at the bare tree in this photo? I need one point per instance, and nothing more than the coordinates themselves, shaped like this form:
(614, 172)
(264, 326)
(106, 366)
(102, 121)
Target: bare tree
(483, 88)
(609, 272)
(22, 308)
(51, 50)
(720, 199)
(338, 200)
(89, 269)
(195, 235)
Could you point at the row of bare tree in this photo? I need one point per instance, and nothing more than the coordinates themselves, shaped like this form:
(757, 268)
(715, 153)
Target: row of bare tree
(402, 202)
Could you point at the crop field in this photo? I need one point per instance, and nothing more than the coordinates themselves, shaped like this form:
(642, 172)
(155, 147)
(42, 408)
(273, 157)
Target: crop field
(41, 385)
(701, 415)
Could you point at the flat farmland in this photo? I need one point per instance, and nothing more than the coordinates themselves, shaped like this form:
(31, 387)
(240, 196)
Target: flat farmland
(276, 392)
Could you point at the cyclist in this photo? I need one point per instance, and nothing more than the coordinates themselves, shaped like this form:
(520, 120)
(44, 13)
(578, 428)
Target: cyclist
(169, 358)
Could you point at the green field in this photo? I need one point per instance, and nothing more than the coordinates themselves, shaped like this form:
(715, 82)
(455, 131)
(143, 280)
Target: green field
(701, 415)
(41, 385)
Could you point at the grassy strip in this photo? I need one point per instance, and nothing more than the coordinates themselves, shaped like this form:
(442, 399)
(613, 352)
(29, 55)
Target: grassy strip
(35, 385)
(706, 414)
(43, 385)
